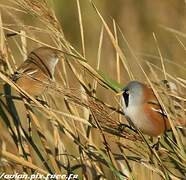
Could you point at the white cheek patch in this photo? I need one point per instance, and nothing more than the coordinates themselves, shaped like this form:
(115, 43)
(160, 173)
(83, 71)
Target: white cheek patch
(123, 103)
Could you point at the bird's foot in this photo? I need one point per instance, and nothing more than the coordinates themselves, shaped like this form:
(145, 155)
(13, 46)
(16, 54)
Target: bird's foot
(156, 145)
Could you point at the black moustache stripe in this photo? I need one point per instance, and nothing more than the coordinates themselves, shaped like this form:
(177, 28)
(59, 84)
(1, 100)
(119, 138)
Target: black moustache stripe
(126, 98)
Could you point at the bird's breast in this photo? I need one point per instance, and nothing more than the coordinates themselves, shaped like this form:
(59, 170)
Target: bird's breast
(143, 122)
(135, 115)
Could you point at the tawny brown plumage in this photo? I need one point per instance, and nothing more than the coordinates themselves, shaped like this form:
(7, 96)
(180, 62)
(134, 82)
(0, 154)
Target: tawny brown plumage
(37, 71)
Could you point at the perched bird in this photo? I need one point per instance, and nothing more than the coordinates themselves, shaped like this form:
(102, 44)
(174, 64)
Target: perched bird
(36, 72)
(141, 106)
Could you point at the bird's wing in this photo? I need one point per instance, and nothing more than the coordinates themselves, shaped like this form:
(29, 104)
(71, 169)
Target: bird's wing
(25, 69)
(155, 106)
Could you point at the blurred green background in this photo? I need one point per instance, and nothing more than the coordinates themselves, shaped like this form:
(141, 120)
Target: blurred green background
(137, 20)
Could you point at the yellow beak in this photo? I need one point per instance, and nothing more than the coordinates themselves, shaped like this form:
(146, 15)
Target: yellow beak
(119, 93)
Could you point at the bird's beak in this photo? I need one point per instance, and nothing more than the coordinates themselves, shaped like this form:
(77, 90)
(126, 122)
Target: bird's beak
(119, 93)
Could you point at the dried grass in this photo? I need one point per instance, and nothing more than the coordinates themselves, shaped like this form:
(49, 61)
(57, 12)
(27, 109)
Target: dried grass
(74, 131)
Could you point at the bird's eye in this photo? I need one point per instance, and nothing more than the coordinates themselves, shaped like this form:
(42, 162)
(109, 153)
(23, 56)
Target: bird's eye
(126, 97)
